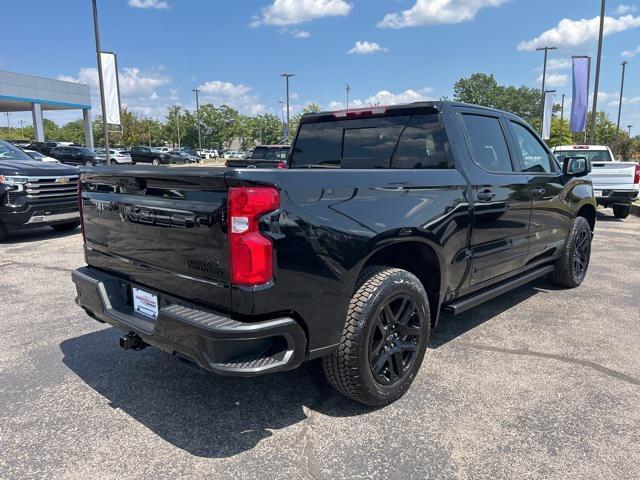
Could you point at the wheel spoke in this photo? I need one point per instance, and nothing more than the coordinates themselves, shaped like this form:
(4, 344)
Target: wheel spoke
(398, 364)
(380, 363)
(375, 349)
(408, 312)
(407, 346)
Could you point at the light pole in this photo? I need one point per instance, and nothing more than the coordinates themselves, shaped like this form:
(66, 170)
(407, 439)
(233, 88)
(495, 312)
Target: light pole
(101, 83)
(544, 78)
(596, 84)
(284, 129)
(287, 76)
(178, 123)
(8, 114)
(348, 87)
(198, 118)
(22, 128)
(624, 64)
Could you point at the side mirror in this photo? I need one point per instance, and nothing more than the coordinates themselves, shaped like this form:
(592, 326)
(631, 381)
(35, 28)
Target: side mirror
(576, 166)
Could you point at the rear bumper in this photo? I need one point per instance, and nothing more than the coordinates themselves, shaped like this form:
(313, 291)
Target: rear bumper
(616, 197)
(212, 341)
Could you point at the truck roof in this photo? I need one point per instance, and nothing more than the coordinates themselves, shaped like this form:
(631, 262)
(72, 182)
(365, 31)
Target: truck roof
(399, 109)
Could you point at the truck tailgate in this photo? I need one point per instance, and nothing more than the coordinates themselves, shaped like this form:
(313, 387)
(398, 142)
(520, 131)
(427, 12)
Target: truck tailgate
(159, 227)
(613, 175)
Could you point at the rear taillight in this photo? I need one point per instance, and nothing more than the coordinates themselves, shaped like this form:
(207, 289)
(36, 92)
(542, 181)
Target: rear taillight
(250, 252)
(281, 164)
(636, 178)
(226, 163)
(80, 209)
(360, 112)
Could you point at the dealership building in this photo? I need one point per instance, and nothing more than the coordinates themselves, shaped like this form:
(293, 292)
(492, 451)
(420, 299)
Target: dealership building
(27, 93)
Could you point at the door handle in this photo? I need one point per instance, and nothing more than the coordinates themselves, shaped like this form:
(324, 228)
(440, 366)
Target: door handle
(538, 192)
(486, 195)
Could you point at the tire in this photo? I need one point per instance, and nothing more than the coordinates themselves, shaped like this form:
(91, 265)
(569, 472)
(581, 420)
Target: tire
(572, 267)
(384, 338)
(156, 161)
(89, 163)
(621, 211)
(4, 233)
(63, 227)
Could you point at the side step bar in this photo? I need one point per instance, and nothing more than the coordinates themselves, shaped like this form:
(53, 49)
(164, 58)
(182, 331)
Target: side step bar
(461, 305)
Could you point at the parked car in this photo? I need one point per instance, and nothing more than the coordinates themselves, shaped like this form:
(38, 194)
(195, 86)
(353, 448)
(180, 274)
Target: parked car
(383, 218)
(142, 154)
(208, 153)
(263, 156)
(77, 156)
(40, 156)
(615, 184)
(184, 156)
(33, 192)
(43, 147)
(118, 156)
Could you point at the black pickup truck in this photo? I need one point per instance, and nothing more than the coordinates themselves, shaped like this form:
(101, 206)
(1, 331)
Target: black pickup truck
(383, 218)
(263, 156)
(34, 193)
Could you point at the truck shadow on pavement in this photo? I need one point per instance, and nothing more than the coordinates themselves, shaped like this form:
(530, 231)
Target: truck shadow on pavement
(205, 415)
(36, 234)
(215, 416)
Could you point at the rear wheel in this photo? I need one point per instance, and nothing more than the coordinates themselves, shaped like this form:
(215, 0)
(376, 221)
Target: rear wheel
(63, 227)
(571, 268)
(621, 211)
(156, 161)
(384, 338)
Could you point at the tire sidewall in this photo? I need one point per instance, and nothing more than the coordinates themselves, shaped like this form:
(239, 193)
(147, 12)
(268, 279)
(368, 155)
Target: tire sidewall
(399, 282)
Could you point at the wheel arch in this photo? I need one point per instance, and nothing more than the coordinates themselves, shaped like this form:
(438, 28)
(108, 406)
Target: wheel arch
(588, 212)
(417, 257)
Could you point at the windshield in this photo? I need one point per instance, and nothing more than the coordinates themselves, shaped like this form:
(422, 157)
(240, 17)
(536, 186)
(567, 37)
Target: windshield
(592, 155)
(9, 152)
(36, 155)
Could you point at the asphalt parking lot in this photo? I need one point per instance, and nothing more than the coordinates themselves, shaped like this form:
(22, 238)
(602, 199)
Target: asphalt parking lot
(540, 383)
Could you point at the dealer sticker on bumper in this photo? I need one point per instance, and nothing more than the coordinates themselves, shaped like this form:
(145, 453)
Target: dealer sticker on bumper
(145, 303)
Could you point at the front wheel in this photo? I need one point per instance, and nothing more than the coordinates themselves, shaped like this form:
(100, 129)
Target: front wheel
(571, 268)
(89, 163)
(156, 161)
(384, 338)
(621, 211)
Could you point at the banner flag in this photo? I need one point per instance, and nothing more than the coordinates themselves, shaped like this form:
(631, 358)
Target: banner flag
(111, 87)
(580, 97)
(547, 116)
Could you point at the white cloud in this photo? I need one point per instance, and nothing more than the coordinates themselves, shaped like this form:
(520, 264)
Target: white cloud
(157, 4)
(631, 53)
(624, 9)
(137, 89)
(573, 33)
(433, 12)
(384, 97)
(558, 64)
(296, 32)
(133, 82)
(366, 48)
(238, 96)
(293, 12)
(555, 80)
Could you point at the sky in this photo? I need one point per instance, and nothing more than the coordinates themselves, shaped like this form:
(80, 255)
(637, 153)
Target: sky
(389, 51)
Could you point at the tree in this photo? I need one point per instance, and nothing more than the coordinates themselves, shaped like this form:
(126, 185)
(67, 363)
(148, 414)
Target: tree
(482, 89)
(560, 134)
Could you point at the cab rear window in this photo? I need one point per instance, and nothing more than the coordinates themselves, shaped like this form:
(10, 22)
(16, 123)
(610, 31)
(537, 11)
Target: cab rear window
(405, 141)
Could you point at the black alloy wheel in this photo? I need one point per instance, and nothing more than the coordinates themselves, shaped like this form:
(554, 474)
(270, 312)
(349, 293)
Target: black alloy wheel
(394, 339)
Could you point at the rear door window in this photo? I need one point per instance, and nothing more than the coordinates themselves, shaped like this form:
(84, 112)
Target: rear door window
(259, 153)
(487, 142)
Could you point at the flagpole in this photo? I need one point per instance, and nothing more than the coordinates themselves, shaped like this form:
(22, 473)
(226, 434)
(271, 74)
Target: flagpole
(592, 131)
(105, 130)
